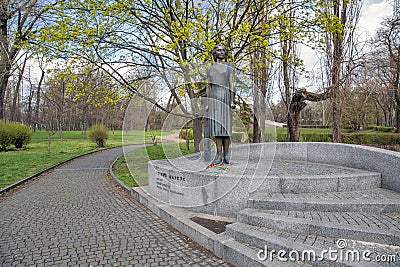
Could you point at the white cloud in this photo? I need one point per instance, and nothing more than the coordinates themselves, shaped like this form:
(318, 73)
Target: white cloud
(372, 14)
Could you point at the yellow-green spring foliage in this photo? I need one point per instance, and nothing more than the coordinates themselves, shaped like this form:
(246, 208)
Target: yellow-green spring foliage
(98, 133)
(14, 133)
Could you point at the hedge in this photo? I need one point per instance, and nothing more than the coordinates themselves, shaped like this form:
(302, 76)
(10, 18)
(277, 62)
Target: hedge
(14, 133)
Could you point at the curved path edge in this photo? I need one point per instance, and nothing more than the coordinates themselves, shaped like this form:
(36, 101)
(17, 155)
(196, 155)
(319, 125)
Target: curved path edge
(27, 179)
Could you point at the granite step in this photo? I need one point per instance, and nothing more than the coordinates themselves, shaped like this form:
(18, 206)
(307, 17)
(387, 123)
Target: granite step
(378, 228)
(246, 255)
(375, 200)
(314, 248)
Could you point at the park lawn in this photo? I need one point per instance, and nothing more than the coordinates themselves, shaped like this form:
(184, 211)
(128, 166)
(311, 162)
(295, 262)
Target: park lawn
(17, 165)
(329, 131)
(131, 169)
(112, 135)
(284, 130)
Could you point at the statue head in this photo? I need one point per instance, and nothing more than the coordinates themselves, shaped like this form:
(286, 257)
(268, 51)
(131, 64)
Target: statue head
(216, 47)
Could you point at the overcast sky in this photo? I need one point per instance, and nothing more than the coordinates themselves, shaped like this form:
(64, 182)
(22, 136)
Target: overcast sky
(372, 13)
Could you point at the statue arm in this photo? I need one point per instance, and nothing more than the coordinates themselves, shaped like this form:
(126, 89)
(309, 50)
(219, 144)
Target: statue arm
(208, 89)
(231, 85)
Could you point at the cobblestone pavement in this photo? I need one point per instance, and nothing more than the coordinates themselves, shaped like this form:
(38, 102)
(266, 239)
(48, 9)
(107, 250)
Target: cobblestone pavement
(74, 216)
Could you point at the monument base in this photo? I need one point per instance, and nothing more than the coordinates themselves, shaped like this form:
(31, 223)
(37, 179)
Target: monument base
(257, 168)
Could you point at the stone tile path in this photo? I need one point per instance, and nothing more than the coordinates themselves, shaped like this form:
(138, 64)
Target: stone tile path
(74, 216)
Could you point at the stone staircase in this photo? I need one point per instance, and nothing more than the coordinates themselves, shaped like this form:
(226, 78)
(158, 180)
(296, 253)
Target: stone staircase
(349, 221)
(296, 203)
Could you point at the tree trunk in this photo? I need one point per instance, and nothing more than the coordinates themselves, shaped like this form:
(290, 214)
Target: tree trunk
(3, 88)
(37, 106)
(291, 121)
(337, 119)
(197, 133)
(7, 55)
(29, 115)
(337, 57)
(398, 118)
(256, 128)
(4, 62)
(293, 126)
(256, 121)
(297, 104)
(397, 92)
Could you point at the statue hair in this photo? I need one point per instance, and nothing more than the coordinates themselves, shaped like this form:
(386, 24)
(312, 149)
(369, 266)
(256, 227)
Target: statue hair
(215, 50)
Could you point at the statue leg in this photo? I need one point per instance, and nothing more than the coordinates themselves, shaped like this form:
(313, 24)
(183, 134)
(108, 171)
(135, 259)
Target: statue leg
(226, 143)
(218, 157)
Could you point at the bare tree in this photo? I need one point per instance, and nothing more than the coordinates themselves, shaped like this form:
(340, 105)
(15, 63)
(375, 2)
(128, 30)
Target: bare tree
(18, 20)
(337, 21)
(389, 36)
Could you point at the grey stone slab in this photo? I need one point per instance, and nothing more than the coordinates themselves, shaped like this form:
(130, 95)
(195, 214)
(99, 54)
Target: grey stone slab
(241, 255)
(375, 200)
(308, 184)
(263, 241)
(218, 243)
(378, 160)
(330, 153)
(359, 182)
(323, 228)
(291, 151)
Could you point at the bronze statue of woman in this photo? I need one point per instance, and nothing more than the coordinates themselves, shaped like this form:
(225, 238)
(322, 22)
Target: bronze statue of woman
(220, 94)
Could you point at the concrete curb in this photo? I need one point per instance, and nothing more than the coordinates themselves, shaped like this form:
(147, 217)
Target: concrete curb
(13, 186)
(126, 188)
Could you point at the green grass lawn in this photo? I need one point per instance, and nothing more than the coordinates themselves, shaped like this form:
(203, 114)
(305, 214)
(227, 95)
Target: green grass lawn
(329, 131)
(306, 130)
(17, 165)
(117, 134)
(131, 169)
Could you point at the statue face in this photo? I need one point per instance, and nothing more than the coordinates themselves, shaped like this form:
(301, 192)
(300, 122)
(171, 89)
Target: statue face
(219, 52)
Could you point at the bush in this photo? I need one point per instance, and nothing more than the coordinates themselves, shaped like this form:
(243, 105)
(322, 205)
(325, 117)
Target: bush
(282, 137)
(315, 137)
(99, 134)
(14, 133)
(21, 134)
(371, 139)
(190, 135)
(385, 129)
(5, 135)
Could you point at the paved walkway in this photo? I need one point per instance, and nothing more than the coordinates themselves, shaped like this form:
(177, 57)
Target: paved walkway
(74, 216)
